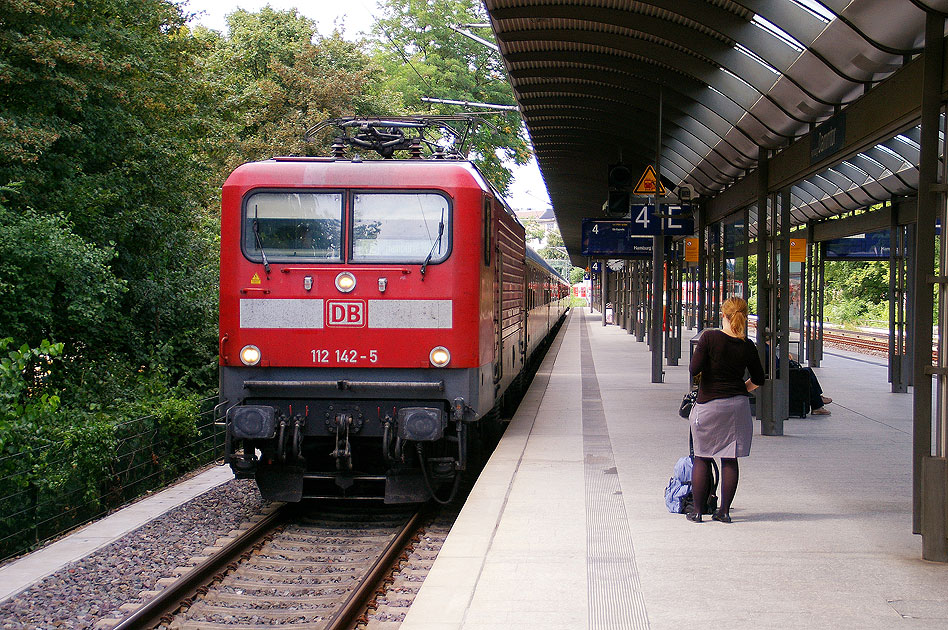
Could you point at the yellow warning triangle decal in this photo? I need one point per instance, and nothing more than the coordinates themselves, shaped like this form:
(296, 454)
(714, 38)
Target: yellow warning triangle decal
(649, 183)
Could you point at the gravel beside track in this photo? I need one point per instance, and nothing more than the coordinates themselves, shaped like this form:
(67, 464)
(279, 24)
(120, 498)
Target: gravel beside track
(81, 593)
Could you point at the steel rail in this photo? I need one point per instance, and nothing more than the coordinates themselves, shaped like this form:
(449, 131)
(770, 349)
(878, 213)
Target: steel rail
(878, 344)
(170, 599)
(346, 616)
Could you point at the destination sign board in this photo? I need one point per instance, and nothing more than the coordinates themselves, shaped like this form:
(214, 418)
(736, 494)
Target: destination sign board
(872, 246)
(614, 239)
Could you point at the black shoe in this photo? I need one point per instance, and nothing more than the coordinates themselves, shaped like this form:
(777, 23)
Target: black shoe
(693, 516)
(721, 517)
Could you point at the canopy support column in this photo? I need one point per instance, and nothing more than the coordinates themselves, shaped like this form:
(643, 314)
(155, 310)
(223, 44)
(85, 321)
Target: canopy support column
(930, 470)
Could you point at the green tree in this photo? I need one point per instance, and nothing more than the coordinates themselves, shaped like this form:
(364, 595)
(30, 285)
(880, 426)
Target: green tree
(278, 78)
(53, 283)
(424, 57)
(555, 248)
(856, 291)
(101, 109)
(533, 229)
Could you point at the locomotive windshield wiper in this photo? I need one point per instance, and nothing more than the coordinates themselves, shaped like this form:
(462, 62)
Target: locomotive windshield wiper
(259, 241)
(433, 247)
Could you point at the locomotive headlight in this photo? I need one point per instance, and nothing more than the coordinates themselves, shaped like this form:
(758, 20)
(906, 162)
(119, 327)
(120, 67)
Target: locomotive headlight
(250, 355)
(345, 282)
(439, 356)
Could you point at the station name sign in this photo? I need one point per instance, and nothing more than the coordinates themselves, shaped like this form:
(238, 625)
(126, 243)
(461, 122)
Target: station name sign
(828, 138)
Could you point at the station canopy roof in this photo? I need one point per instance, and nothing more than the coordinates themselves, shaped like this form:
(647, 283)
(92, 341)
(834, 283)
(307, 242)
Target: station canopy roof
(593, 77)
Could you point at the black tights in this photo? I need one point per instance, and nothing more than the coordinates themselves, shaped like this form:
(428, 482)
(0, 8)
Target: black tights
(701, 476)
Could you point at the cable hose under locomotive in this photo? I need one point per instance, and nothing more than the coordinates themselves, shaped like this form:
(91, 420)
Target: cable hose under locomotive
(424, 474)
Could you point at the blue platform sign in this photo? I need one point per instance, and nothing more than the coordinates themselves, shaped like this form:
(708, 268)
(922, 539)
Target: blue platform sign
(677, 222)
(872, 246)
(614, 239)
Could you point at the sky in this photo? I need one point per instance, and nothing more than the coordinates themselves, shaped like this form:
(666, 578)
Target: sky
(353, 17)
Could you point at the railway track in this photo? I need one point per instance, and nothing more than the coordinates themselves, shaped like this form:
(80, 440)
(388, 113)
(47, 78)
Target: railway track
(871, 343)
(301, 566)
(861, 341)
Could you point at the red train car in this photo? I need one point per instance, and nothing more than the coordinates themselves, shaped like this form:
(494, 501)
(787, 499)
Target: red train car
(372, 314)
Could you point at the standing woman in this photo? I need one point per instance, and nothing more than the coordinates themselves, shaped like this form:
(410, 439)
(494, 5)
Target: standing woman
(721, 421)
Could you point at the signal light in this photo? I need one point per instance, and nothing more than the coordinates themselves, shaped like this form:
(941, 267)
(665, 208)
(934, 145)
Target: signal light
(620, 176)
(619, 203)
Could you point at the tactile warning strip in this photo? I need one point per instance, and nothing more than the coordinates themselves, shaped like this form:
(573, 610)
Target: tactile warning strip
(615, 594)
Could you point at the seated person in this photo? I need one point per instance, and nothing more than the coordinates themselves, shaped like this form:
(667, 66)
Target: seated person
(817, 400)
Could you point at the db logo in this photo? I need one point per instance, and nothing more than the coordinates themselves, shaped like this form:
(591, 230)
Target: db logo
(339, 313)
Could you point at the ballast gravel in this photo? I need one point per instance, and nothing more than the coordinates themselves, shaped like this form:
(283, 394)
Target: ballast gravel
(83, 592)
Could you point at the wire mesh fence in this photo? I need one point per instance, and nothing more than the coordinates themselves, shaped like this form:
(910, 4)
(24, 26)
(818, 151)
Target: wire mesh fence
(59, 483)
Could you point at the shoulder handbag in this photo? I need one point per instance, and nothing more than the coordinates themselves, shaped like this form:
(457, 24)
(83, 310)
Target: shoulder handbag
(687, 402)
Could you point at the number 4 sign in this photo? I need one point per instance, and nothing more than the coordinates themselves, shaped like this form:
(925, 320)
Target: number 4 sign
(645, 222)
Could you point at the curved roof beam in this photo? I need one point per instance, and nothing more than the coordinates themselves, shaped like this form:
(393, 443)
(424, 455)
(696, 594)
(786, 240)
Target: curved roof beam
(729, 67)
(877, 172)
(849, 186)
(819, 196)
(834, 191)
(626, 79)
(853, 168)
(584, 132)
(709, 118)
(614, 87)
(567, 112)
(691, 144)
(644, 71)
(730, 27)
(789, 14)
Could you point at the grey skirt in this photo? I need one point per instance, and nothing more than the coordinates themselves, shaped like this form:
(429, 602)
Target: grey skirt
(722, 427)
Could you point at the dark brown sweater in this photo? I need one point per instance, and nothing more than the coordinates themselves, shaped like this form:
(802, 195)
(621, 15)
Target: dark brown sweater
(721, 360)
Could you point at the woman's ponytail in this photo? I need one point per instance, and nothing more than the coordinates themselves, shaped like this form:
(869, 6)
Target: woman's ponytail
(735, 310)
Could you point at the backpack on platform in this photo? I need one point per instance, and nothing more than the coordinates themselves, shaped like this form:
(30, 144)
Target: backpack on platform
(678, 497)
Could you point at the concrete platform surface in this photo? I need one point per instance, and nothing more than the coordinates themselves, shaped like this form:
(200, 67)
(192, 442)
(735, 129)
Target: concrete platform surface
(567, 527)
(25, 571)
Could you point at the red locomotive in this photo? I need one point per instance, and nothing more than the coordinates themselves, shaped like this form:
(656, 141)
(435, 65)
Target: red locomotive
(372, 315)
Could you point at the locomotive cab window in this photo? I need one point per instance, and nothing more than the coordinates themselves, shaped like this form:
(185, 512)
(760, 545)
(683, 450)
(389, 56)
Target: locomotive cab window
(288, 227)
(400, 227)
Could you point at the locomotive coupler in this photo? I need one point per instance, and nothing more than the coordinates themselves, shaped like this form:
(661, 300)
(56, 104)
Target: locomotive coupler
(343, 451)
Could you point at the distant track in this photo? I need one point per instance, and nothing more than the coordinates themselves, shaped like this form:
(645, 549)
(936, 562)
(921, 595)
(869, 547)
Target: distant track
(863, 341)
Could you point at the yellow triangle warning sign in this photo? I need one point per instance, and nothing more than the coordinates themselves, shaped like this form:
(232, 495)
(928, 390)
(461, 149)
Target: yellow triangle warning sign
(649, 183)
